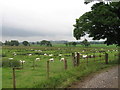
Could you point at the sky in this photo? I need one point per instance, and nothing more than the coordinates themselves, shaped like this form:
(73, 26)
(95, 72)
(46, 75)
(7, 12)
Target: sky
(36, 20)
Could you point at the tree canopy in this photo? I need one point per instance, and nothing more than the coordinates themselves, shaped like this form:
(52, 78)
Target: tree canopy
(25, 43)
(102, 22)
(85, 43)
(45, 43)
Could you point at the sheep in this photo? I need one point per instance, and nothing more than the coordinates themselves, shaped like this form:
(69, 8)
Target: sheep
(15, 54)
(83, 51)
(29, 54)
(75, 54)
(51, 59)
(37, 59)
(92, 56)
(10, 58)
(62, 59)
(60, 55)
(84, 56)
(22, 61)
(50, 55)
(45, 54)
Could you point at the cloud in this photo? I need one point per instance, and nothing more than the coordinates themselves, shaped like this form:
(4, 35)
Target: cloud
(20, 32)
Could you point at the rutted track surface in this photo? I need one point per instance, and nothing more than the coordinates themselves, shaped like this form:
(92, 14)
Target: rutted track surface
(105, 79)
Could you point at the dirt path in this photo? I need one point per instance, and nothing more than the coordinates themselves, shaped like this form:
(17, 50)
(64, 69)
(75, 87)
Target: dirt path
(107, 78)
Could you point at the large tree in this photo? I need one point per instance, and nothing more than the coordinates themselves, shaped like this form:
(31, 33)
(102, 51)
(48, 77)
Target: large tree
(85, 43)
(102, 22)
(46, 43)
(25, 43)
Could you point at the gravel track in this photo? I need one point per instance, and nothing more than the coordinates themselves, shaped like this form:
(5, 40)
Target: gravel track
(107, 78)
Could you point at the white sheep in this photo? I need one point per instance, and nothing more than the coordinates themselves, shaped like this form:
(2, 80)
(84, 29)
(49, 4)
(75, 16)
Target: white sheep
(45, 54)
(10, 58)
(22, 61)
(62, 59)
(50, 55)
(60, 55)
(92, 56)
(15, 54)
(37, 59)
(29, 54)
(84, 56)
(51, 59)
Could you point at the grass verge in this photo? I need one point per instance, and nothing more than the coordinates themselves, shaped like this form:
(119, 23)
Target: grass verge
(66, 78)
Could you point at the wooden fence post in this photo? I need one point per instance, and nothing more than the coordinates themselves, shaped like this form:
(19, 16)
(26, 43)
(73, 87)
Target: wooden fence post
(65, 64)
(47, 69)
(73, 59)
(33, 64)
(106, 58)
(87, 58)
(22, 65)
(78, 59)
(94, 56)
(14, 81)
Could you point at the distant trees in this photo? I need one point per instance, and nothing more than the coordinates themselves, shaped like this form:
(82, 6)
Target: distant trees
(25, 43)
(71, 44)
(12, 43)
(85, 43)
(1, 43)
(46, 43)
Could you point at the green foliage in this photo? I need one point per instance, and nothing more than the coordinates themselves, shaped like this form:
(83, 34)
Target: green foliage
(10, 63)
(46, 43)
(12, 43)
(100, 23)
(85, 43)
(25, 43)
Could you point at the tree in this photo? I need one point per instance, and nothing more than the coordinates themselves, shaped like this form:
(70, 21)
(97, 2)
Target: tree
(46, 43)
(103, 22)
(85, 43)
(14, 43)
(7, 42)
(74, 43)
(25, 43)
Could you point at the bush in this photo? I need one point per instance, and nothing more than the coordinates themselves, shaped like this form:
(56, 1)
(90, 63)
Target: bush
(10, 63)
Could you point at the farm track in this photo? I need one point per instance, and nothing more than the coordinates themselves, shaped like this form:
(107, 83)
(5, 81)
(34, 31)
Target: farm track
(107, 78)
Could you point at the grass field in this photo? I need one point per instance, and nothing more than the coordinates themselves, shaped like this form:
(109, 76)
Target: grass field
(34, 73)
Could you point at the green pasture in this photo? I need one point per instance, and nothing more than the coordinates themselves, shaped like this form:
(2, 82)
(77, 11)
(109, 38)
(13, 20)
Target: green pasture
(35, 75)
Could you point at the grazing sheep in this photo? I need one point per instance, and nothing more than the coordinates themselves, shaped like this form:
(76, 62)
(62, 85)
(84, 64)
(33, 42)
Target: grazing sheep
(60, 55)
(84, 56)
(45, 54)
(75, 54)
(50, 55)
(37, 59)
(51, 59)
(62, 59)
(22, 61)
(29, 54)
(83, 51)
(92, 56)
(15, 54)
(10, 58)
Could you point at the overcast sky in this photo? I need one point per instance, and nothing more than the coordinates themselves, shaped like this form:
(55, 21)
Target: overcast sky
(35, 20)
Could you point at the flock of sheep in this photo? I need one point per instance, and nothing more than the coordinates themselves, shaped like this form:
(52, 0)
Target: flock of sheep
(51, 55)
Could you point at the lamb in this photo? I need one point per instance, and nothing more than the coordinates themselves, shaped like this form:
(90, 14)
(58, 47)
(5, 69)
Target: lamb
(51, 59)
(60, 55)
(45, 54)
(29, 54)
(62, 59)
(50, 55)
(22, 61)
(37, 59)
(10, 58)
(84, 56)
